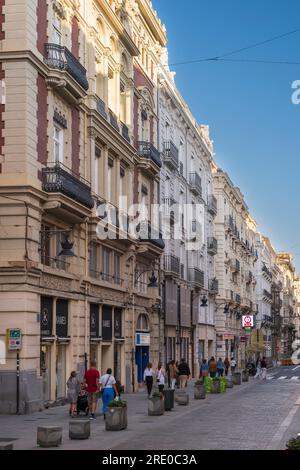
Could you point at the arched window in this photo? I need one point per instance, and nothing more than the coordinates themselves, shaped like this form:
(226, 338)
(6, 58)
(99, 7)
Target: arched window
(142, 323)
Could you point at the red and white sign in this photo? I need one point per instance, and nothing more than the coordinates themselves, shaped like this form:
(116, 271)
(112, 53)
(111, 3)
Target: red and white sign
(228, 336)
(247, 321)
(243, 339)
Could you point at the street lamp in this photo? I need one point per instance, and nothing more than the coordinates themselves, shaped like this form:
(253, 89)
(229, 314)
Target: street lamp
(66, 244)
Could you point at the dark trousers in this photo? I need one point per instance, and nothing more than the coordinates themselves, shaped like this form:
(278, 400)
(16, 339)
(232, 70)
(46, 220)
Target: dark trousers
(161, 387)
(220, 372)
(212, 373)
(149, 384)
(226, 371)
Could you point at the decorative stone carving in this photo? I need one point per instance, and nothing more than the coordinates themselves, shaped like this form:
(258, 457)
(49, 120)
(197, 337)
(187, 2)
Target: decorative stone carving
(54, 282)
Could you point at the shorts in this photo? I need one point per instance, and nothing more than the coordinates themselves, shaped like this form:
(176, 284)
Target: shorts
(93, 397)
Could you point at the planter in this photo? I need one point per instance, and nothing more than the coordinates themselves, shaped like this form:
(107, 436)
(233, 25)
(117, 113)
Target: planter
(79, 429)
(245, 376)
(223, 383)
(116, 418)
(183, 399)
(215, 386)
(199, 392)
(229, 382)
(156, 406)
(237, 378)
(169, 398)
(49, 436)
(208, 384)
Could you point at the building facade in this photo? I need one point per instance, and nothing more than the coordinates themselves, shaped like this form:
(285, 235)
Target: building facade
(70, 74)
(188, 210)
(235, 231)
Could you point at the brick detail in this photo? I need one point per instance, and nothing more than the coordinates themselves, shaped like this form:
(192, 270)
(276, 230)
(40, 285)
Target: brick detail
(75, 37)
(75, 141)
(42, 120)
(41, 14)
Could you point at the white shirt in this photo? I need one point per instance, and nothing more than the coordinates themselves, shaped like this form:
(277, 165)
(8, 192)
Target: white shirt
(107, 381)
(148, 373)
(233, 363)
(160, 374)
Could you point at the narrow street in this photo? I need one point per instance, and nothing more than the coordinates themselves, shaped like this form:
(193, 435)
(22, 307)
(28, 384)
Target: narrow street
(253, 416)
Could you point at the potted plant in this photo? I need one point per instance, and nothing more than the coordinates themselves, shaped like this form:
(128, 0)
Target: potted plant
(208, 384)
(199, 390)
(223, 384)
(237, 378)
(156, 406)
(116, 415)
(215, 385)
(293, 444)
(245, 375)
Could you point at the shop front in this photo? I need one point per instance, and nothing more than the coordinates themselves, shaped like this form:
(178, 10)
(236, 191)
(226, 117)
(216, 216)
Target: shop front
(142, 346)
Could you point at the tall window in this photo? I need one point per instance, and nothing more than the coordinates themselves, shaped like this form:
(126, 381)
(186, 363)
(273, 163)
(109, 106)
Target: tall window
(58, 144)
(56, 30)
(96, 169)
(145, 127)
(105, 264)
(109, 179)
(117, 268)
(122, 103)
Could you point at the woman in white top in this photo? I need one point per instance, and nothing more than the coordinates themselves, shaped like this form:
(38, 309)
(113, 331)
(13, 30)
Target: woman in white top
(108, 389)
(160, 377)
(148, 378)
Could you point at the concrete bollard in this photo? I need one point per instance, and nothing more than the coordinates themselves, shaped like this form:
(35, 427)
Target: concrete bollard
(79, 429)
(183, 399)
(49, 436)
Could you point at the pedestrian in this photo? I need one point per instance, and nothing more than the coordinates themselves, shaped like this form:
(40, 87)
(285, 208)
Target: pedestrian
(108, 389)
(220, 367)
(160, 377)
(227, 365)
(258, 368)
(91, 379)
(148, 378)
(212, 367)
(183, 373)
(263, 365)
(203, 369)
(73, 386)
(232, 365)
(173, 371)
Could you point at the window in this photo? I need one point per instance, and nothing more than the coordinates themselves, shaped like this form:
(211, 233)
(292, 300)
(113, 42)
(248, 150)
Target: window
(109, 179)
(142, 323)
(56, 31)
(93, 259)
(145, 127)
(117, 268)
(122, 103)
(58, 143)
(96, 169)
(105, 264)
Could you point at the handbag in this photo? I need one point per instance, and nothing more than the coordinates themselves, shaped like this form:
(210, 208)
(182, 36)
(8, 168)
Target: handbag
(102, 389)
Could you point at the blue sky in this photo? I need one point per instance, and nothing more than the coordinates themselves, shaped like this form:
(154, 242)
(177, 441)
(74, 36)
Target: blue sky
(254, 125)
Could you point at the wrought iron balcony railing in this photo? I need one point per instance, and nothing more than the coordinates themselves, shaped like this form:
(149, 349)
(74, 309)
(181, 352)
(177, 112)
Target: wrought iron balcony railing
(266, 271)
(212, 205)
(212, 245)
(172, 264)
(113, 120)
(61, 58)
(171, 154)
(100, 105)
(147, 150)
(125, 132)
(196, 276)
(267, 294)
(195, 184)
(57, 178)
(148, 233)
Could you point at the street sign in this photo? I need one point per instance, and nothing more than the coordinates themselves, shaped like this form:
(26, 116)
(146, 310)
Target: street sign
(14, 339)
(247, 321)
(142, 339)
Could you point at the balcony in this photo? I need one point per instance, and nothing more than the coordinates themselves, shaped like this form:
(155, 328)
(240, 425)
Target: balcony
(196, 276)
(113, 120)
(212, 246)
(125, 132)
(235, 265)
(249, 277)
(171, 155)
(238, 298)
(266, 272)
(148, 152)
(213, 286)
(195, 184)
(57, 178)
(100, 106)
(267, 295)
(149, 234)
(172, 265)
(212, 206)
(61, 60)
(229, 223)
(169, 208)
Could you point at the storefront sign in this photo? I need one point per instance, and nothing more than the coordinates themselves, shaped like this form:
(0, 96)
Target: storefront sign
(118, 322)
(46, 317)
(243, 339)
(94, 321)
(228, 337)
(106, 323)
(247, 321)
(62, 318)
(142, 339)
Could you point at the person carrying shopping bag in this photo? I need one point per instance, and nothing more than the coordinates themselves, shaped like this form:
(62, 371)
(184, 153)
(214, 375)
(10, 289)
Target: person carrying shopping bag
(108, 389)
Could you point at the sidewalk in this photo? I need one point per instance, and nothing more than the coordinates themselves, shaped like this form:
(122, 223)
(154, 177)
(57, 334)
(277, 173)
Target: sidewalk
(22, 430)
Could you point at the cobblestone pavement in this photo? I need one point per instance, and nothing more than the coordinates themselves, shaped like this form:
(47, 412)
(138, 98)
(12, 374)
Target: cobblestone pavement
(254, 415)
